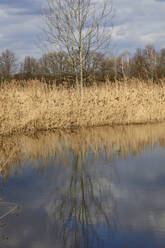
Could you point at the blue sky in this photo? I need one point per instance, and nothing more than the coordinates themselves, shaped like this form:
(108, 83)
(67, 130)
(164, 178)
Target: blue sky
(136, 24)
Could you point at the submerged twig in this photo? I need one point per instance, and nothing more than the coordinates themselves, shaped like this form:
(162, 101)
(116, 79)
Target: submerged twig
(10, 211)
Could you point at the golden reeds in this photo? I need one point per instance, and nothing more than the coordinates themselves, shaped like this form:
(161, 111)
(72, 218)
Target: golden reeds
(35, 106)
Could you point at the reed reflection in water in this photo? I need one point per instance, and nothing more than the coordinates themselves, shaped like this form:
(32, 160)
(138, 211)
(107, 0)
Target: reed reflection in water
(99, 187)
(119, 140)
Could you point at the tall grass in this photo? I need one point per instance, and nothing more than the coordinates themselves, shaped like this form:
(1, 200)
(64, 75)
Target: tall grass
(35, 106)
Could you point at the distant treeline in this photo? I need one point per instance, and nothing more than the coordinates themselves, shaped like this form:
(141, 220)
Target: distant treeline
(145, 64)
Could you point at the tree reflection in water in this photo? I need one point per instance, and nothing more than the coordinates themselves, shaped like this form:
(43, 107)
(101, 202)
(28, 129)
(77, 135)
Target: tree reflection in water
(82, 209)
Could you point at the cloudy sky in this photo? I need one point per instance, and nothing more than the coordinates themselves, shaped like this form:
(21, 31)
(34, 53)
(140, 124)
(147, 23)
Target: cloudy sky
(136, 24)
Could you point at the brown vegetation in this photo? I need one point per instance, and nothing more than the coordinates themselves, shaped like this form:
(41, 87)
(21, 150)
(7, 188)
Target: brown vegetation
(35, 106)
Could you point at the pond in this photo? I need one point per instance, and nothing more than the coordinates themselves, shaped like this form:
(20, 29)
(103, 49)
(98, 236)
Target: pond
(96, 187)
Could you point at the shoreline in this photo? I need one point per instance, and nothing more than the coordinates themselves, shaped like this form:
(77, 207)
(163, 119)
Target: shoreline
(31, 132)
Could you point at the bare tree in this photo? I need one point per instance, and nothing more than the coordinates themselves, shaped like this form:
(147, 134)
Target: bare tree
(95, 66)
(54, 65)
(30, 67)
(7, 64)
(151, 58)
(161, 64)
(78, 27)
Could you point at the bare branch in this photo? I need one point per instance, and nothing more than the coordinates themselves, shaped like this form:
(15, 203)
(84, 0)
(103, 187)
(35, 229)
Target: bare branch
(78, 27)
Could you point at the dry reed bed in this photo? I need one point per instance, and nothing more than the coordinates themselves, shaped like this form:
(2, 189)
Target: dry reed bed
(37, 107)
(43, 146)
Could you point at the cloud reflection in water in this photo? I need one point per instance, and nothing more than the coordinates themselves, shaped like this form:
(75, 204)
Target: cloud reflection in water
(97, 187)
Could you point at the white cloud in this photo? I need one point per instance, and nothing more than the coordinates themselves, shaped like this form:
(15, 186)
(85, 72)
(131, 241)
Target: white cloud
(136, 23)
(152, 38)
(120, 32)
(2, 14)
(15, 11)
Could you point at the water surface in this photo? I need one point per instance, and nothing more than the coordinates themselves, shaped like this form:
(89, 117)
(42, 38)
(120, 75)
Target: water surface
(100, 187)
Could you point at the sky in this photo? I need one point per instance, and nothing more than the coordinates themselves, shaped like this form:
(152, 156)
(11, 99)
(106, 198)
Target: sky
(135, 24)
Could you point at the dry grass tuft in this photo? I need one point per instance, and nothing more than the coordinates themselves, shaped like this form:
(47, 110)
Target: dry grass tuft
(35, 106)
